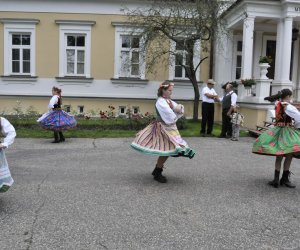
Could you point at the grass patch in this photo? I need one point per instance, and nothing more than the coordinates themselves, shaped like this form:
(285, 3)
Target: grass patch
(28, 128)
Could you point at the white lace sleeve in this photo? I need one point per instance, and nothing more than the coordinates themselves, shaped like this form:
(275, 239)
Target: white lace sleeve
(165, 112)
(8, 131)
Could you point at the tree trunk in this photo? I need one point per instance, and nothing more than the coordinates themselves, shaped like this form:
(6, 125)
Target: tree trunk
(196, 98)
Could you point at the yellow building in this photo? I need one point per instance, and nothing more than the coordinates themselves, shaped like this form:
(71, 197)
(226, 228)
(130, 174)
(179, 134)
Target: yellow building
(82, 47)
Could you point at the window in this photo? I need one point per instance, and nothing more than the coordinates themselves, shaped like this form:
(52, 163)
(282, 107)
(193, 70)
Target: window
(20, 53)
(19, 46)
(238, 68)
(129, 55)
(67, 108)
(80, 109)
(122, 110)
(75, 54)
(75, 48)
(136, 110)
(180, 57)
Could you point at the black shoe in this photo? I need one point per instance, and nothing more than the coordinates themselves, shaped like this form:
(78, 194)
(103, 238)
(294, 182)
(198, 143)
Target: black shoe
(56, 141)
(62, 139)
(285, 180)
(222, 136)
(158, 176)
(275, 182)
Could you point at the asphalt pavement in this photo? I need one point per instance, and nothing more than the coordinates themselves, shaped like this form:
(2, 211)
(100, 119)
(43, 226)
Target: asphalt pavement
(100, 194)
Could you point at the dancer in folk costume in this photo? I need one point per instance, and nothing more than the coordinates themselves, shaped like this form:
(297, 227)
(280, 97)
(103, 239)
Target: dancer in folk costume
(283, 140)
(9, 133)
(161, 137)
(56, 119)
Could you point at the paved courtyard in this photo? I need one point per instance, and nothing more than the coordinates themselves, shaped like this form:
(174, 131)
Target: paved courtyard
(99, 194)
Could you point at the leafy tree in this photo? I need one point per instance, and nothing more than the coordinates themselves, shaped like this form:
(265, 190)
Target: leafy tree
(191, 25)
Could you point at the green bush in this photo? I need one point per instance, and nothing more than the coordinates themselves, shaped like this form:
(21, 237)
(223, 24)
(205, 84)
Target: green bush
(29, 122)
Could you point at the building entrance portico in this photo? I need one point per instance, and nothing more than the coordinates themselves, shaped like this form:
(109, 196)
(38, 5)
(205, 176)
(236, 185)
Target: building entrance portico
(261, 28)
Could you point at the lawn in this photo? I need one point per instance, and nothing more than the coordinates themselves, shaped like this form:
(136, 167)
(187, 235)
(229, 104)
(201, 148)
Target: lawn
(28, 128)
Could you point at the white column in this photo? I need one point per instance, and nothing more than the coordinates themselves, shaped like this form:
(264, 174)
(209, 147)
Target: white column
(278, 61)
(286, 49)
(257, 52)
(247, 58)
(282, 79)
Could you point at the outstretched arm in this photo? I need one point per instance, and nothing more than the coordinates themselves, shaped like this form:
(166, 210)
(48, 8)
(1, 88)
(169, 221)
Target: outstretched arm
(8, 131)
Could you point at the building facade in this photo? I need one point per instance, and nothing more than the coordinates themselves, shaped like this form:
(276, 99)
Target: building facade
(87, 48)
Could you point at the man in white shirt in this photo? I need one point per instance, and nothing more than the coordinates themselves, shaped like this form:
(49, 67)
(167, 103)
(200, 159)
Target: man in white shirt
(208, 95)
(228, 104)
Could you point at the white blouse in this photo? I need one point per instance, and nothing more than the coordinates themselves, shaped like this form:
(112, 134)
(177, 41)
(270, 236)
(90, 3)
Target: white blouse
(166, 113)
(8, 132)
(52, 102)
(293, 112)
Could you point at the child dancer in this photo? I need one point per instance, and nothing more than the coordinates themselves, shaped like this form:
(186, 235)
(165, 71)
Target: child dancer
(56, 119)
(281, 141)
(237, 120)
(162, 137)
(9, 133)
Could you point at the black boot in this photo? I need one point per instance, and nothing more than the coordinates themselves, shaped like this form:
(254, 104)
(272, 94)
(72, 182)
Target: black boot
(61, 136)
(56, 137)
(275, 182)
(285, 179)
(158, 176)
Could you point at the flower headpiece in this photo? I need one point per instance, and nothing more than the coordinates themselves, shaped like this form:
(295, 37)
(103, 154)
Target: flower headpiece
(166, 84)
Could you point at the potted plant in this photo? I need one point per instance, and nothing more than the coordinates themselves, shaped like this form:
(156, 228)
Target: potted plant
(248, 83)
(264, 64)
(265, 59)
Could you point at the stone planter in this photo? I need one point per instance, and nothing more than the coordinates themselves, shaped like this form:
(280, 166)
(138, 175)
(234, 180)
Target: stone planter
(264, 70)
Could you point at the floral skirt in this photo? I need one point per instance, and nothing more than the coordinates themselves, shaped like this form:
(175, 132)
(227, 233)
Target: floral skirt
(278, 141)
(163, 140)
(57, 120)
(5, 177)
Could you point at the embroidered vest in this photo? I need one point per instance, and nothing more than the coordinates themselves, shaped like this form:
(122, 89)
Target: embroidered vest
(226, 102)
(282, 119)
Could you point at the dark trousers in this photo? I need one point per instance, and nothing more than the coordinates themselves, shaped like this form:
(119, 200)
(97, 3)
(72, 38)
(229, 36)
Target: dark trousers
(58, 136)
(208, 113)
(226, 124)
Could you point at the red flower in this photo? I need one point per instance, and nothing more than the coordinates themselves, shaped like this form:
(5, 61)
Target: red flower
(271, 133)
(296, 148)
(272, 144)
(280, 152)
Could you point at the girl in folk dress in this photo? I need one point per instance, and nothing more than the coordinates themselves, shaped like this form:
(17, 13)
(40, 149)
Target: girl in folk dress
(9, 133)
(281, 141)
(56, 119)
(162, 137)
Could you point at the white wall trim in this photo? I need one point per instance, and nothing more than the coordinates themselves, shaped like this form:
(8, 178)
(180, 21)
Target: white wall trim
(19, 27)
(64, 30)
(125, 28)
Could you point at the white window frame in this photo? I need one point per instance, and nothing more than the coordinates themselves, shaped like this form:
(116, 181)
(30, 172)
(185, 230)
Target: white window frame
(125, 29)
(236, 53)
(78, 109)
(66, 107)
(19, 26)
(196, 59)
(136, 107)
(66, 28)
(119, 111)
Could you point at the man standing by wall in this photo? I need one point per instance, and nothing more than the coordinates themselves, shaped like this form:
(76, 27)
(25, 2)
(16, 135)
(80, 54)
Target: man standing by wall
(208, 108)
(228, 104)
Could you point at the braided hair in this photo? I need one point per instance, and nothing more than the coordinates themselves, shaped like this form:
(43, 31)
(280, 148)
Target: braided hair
(280, 95)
